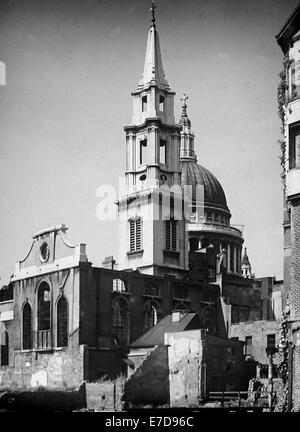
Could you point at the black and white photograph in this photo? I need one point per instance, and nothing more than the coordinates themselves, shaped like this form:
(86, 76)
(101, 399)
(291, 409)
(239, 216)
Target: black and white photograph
(150, 210)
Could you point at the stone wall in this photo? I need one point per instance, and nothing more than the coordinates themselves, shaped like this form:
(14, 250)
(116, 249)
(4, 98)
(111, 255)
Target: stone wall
(58, 369)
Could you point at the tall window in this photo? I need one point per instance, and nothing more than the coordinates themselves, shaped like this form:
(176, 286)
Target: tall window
(294, 79)
(44, 307)
(162, 151)
(27, 326)
(119, 285)
(62, 322)
(248, 345)
(294, 146)
(271, 341)
(4, 349)
(171, 234)
(143, 151)
(144, 103)
(44, 316)
(150, 315)
(161, 103)
(120, 322)
(135, 234)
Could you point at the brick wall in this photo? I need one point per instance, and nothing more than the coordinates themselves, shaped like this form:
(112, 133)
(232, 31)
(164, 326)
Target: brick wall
(296, 379)
(294, 295)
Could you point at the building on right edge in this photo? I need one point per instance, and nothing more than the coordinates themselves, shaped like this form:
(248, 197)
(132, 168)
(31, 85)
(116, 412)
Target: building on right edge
(289, 40)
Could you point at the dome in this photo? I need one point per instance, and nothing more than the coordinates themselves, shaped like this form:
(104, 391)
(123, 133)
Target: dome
(194, 174)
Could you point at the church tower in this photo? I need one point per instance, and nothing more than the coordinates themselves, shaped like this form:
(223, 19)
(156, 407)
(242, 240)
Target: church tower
(150, 240)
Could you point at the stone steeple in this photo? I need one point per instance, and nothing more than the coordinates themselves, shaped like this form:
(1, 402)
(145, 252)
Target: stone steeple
(152, 163)
(153, 73)
(186, 135)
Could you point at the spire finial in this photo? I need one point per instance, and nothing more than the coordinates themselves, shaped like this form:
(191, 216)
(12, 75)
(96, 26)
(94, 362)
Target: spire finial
(153, 7)
(184, 105)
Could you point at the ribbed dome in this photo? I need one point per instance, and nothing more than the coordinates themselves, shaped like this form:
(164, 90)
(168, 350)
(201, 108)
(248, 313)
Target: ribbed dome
(194, 174)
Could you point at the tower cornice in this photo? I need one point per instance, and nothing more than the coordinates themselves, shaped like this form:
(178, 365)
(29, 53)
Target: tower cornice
(156, 121)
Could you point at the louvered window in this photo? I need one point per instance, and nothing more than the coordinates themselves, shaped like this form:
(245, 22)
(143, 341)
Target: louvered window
(171, 235)
(135, 234)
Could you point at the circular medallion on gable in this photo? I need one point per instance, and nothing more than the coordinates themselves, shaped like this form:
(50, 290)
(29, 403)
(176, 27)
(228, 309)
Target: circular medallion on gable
(44, 252)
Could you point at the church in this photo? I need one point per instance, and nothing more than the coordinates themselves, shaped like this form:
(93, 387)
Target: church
(179, 273)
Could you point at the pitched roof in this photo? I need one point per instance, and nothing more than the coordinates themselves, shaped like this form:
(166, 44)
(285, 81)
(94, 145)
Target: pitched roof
(155, 336)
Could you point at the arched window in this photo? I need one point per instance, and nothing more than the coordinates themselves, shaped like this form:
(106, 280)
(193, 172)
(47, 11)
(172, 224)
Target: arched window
(4, 349)
(27, 326)
(120, 322)
(151, 312)
(44, 316)
(44, 307)
(119, 285)
(62, 322)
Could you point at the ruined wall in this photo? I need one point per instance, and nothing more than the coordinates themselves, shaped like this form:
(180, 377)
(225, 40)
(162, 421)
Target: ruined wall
(186, 358)
(105, 395)
(149, 383)
(57, 369)
(199, 363)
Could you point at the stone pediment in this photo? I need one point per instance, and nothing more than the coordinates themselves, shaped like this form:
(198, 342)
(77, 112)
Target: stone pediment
(50, 251)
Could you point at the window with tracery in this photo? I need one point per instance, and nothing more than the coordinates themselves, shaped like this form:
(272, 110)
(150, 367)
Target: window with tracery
(120, 322)
(119, 285)
(44, 304)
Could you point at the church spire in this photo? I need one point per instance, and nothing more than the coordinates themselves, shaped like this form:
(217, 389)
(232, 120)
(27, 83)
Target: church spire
(246, 266)
(187, 137)
(153, 73)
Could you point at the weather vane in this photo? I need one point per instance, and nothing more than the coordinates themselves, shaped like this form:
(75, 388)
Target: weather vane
(183, 99)
(152, 10)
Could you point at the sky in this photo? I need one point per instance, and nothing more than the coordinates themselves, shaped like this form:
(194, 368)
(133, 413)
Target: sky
(70, 68)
